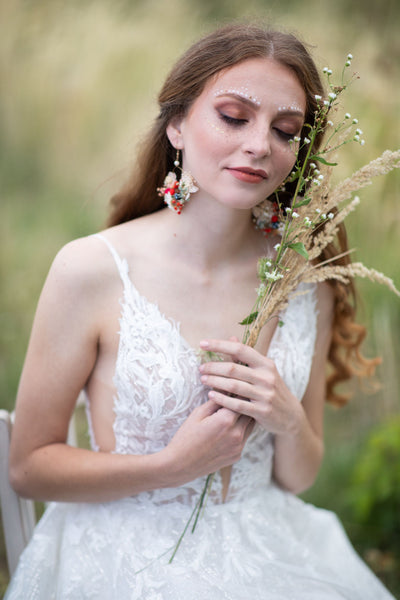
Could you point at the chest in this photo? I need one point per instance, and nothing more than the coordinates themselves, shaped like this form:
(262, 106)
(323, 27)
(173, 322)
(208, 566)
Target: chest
(205, 305)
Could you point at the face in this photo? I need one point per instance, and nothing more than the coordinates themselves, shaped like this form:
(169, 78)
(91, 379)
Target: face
(236, 136)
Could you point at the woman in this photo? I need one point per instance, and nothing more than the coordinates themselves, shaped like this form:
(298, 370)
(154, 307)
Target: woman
(160, 421)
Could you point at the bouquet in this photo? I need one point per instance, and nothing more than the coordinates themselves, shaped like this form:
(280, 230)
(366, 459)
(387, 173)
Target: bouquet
(309, 223)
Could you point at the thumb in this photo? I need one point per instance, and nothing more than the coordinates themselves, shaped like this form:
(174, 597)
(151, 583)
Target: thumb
(207, 409)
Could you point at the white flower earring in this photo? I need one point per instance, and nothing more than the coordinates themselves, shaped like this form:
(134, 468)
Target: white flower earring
(177, 192)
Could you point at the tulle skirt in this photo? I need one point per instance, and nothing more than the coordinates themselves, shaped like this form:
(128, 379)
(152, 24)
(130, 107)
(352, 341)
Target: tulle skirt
(270, 546)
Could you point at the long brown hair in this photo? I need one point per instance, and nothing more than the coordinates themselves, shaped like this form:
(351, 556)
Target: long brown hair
(220, 50)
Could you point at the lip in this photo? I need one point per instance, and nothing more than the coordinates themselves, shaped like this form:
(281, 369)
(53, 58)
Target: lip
(248, 175)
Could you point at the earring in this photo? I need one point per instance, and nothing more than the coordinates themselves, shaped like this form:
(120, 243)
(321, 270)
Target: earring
(266, 217)
(177, 193)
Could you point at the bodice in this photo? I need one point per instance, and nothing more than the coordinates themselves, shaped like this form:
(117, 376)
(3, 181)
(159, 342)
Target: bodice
(157, 380)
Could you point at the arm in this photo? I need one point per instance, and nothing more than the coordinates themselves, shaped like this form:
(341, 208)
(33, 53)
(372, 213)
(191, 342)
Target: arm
(298, 455)
(298, 427)
(64, 347)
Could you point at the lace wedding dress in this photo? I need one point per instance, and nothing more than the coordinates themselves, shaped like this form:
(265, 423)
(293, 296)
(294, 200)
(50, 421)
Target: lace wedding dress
(261, 543)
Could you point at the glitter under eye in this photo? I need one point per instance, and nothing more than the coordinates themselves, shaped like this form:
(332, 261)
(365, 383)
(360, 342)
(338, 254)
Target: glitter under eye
(217, 128)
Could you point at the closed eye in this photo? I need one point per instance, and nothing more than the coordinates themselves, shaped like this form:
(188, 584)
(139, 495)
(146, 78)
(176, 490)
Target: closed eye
(284, 135)
(234, 122)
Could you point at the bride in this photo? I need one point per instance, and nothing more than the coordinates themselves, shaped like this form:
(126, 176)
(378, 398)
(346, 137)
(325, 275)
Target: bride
(123, 314)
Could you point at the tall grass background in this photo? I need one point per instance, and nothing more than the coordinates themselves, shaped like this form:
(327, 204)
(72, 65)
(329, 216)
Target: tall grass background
(79, 82)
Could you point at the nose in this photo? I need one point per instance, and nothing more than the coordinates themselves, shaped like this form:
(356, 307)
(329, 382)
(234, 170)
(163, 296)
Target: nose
(258, 142)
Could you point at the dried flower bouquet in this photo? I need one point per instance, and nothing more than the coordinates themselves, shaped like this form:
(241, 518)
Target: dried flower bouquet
(309, 224)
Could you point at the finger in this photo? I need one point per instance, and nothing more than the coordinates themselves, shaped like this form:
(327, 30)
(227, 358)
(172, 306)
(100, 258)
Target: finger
(234, 387)
(237, 405)
(239, 352)
(207, 409)
(229, 370)
(226, 416)
(240, 380)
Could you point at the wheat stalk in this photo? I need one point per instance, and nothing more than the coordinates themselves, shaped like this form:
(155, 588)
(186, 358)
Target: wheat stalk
(297, 269)
(308, 226)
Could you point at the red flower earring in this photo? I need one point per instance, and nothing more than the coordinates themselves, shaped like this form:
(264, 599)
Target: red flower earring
(177, 192)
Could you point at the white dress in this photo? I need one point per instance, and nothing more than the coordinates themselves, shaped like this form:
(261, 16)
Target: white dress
(261, 543)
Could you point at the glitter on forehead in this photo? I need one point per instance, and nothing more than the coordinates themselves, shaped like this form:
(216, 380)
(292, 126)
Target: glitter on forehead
(242, 92)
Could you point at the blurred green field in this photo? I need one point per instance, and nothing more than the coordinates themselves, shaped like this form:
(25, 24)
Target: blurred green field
(79, 82)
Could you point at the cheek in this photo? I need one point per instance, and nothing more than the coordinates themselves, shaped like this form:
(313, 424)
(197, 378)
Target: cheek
(213, 141)
(222, 133)
(287, 157)
(207, 136)
(216, 128)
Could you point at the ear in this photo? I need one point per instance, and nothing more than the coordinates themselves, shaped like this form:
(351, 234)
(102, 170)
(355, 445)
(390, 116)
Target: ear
(174, 132)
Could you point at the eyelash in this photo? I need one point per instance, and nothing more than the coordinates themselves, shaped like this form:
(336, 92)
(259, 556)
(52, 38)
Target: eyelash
(284, 135)
(234, 122)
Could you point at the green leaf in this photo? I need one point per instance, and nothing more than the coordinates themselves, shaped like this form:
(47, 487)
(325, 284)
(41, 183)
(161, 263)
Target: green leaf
(299, 248)
(252, 317)
(302, 202)
(280, 323)
(323, 161)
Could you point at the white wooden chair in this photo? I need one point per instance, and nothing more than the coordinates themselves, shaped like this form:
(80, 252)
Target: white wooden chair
(18, 514)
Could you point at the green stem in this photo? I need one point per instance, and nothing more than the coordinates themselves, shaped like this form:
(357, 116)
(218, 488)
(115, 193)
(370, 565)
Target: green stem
(203, 495)
(183, 532)
(196, 511)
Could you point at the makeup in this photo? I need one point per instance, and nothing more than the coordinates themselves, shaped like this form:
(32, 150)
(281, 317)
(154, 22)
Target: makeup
(290, 108)
(217, 128)
(241, 92)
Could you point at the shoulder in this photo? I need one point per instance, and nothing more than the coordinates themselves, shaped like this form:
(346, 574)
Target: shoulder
(84, 261)
(82, 276)
(79, 256)
(87, 262)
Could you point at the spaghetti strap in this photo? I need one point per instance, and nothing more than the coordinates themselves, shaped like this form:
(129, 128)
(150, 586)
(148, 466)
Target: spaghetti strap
(114, 253)
(121, 263)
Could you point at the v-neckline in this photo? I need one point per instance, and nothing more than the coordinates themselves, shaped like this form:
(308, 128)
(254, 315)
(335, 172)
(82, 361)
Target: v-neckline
(176, 325)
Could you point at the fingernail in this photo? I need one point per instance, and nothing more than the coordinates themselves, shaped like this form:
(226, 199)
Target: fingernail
(203, 378)
(204, 344)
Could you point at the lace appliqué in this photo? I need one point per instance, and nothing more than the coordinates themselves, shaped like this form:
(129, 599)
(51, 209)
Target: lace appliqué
(158, 383)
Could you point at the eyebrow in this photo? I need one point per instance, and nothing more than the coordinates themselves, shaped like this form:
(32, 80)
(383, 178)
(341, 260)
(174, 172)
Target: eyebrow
(255, 103)
(246, 98)
(291, 110)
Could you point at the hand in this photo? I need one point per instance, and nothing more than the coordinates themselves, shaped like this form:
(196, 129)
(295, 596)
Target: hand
(211, 438)
(249, 384)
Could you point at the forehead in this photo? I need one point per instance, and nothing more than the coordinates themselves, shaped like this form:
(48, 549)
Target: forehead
(263, 79)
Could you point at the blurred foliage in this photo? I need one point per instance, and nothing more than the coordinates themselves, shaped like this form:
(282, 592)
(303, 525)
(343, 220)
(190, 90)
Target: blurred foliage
(361, 482)
(79, 82)
(375, 487)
